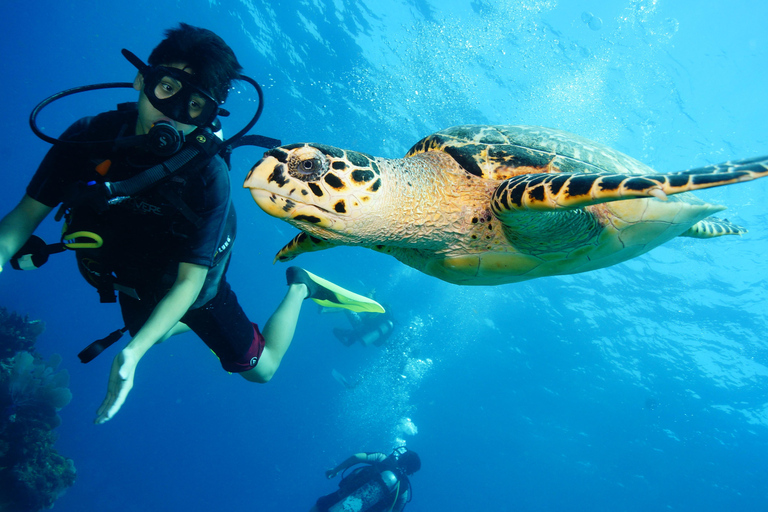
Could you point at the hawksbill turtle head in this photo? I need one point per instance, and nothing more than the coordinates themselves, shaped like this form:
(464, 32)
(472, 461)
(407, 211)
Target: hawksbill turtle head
(320, 189)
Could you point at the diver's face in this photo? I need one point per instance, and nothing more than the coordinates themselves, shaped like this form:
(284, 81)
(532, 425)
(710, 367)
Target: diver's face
(149, 115)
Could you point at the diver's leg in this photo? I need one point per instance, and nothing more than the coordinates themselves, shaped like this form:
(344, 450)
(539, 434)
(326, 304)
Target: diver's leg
(278, 334)
(346, 337)
(354, 319)
(179, 328)
(279, 329)
(370, 337)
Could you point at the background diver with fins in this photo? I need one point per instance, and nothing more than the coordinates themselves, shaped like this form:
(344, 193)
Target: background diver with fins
(380, 484)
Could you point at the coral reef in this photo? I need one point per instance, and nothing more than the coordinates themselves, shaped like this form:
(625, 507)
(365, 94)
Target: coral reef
(17, 333)
(32, 474)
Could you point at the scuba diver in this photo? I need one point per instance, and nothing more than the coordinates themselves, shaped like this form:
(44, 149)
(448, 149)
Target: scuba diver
(145, 197)
(367, 328)
(381, 485)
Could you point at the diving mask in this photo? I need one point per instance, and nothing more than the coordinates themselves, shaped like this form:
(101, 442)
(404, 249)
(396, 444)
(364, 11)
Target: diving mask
(399, 451)
(174, 93)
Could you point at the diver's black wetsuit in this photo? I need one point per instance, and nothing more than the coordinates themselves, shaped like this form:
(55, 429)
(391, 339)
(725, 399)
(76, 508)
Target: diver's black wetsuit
(146, 236)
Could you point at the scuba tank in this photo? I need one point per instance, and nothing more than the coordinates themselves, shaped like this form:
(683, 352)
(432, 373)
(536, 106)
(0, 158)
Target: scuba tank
(368, 495)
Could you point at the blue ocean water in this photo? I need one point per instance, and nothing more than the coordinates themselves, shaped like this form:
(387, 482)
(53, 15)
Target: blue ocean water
(634, 388)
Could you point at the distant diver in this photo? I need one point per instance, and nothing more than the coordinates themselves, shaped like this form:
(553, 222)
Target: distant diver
(382, 484)
(367, 328)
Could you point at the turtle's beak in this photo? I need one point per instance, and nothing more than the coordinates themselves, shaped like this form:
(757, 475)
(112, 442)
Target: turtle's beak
(261, 180)
(261, 173)
(273, 204)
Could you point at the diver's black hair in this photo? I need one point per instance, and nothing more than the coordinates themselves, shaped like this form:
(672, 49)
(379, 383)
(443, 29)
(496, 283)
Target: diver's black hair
(409, 462)
(211, 60)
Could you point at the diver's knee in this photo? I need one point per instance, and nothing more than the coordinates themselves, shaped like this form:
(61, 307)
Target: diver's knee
(179, 328)
(259, 374)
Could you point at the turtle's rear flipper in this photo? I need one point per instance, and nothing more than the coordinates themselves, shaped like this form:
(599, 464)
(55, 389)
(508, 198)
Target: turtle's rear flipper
(712, 227)
(554, 191)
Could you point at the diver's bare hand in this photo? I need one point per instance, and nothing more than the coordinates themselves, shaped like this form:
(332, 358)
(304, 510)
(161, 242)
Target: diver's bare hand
(120, 384)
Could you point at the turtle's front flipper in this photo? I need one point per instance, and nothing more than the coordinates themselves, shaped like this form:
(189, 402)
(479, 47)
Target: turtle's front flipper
(712, 227)
(552, 191)
(302, 243)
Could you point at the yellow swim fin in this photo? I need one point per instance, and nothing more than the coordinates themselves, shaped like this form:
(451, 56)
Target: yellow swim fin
(330, 295)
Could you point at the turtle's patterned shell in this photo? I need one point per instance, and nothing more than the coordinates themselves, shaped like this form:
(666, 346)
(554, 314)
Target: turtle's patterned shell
(499, 152)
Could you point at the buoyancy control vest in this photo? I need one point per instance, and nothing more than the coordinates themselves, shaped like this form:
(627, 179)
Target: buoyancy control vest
(94, 210)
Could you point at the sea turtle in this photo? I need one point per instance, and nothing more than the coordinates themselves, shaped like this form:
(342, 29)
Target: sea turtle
(487, 205)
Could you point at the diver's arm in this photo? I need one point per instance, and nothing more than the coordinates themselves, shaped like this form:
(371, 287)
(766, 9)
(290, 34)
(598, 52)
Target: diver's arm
(18, 226)
(165, 316)
(170, 309)
(351, 461)
(357, 458)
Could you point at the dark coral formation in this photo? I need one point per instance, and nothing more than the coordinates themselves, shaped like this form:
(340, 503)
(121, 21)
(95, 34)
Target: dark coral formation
(32, 474)
(17, 333)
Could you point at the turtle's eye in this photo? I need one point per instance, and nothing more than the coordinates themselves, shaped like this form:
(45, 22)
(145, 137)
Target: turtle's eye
(310, 166)
(307, 164)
